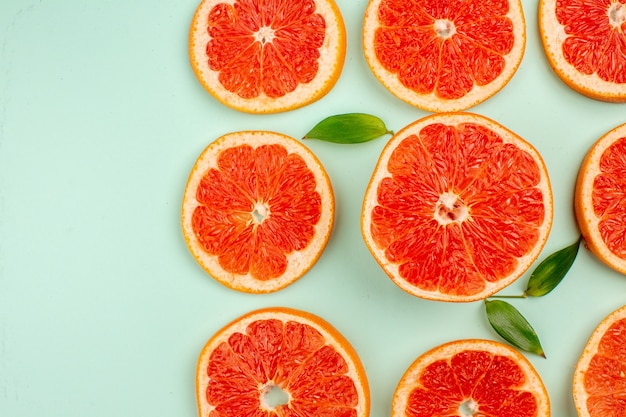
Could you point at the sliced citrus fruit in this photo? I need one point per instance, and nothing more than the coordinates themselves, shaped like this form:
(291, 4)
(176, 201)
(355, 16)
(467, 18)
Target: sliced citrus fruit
(585, 43)
(599, 384)
(471, 378)
(257, 211)
(444, 55)
(267, 56)
(600, 199)
(280, 362)
(457, 208)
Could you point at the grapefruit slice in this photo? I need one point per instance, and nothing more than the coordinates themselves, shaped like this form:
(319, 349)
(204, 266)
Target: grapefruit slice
(442, 55)
(270, 56)
(599, 385)
(280, 362)
(600, 199)
(471, 378)
(457, 208)
(585, 43)
(258, 210)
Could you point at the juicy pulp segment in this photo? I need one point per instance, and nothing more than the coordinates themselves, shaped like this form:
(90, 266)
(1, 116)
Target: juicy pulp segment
(495, 185)
(604, 381)
(291, 355)
(268, 51)
(609, 197)
(480, 381)
(596, 37)
(256, 206)
(444, 47)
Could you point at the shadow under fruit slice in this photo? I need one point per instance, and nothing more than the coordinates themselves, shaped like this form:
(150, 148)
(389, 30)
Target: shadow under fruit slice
(444, 55)
(457, 208)
(585, 43)
(280, 362)
(258, 210)
(598, 385)
(471, 378)
(600, 199)
(270, 56)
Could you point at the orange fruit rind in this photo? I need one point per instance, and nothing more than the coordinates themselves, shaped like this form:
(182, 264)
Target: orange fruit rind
(238, 212)
(424, 95)
(302, 89)
(597, 184)
(408, 212)
(468, 370)
(318, 350)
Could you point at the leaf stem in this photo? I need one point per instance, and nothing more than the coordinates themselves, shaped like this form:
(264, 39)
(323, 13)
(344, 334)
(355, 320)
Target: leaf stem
(509, 296)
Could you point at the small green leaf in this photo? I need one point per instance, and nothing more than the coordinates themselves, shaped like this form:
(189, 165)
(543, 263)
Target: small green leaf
(349, 128)
(551, 271)
(509, 323)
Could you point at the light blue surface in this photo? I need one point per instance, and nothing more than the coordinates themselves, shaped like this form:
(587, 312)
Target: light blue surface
(102, 308)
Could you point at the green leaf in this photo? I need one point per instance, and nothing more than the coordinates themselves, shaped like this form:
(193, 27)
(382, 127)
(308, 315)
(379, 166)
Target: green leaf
(509, 323)
(349, 128)
(551, 271)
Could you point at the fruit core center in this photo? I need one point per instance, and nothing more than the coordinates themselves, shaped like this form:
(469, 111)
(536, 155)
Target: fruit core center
(450, 209)
(617, 14)
(468, 408)
(264, 35)
(444, 28)
(260, 213)
(273, 396)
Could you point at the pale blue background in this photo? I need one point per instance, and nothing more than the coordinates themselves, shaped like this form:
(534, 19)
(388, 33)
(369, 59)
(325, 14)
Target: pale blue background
(103, 310)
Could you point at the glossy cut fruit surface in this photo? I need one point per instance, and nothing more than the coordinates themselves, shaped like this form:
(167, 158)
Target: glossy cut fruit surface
(444, 55)
(258, 210)
(280, 362)
(598, 385)
(267, 56)
(600, 199)
(585, 42)
(457, 208)
(471, 378)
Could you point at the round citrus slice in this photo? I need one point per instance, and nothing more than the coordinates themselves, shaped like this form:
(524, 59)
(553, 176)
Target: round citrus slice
(280, 362)
(585, 43)
(257, 211)
(270, 56)
(444, 56)
(600, 199)
(457, 208)
(471, 378)
(599, 385)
